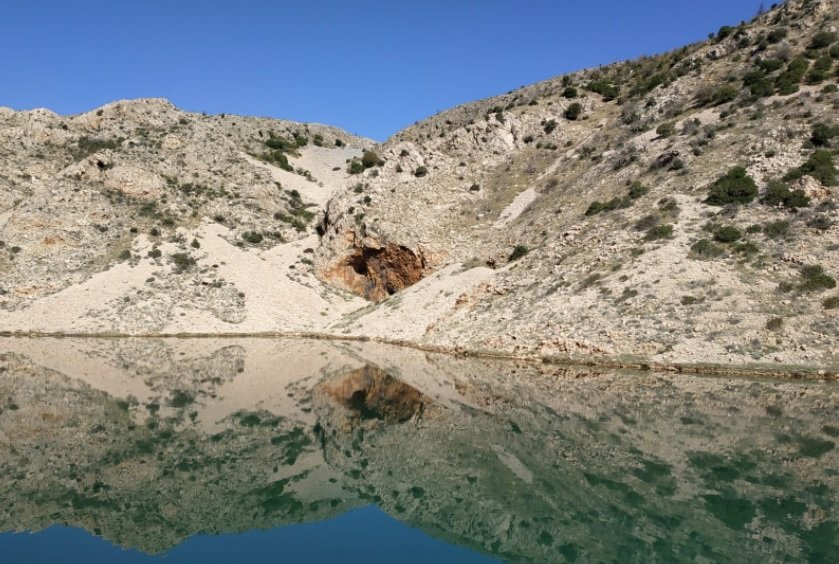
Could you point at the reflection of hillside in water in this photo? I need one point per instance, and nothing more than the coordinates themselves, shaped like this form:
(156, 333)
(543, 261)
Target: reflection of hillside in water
(149, 441)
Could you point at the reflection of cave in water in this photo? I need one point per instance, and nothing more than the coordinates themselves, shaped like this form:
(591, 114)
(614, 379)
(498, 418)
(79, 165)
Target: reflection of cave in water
(370, 393)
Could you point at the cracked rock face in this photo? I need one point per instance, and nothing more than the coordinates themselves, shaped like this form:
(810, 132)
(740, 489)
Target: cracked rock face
(376, 272)
(352, 257)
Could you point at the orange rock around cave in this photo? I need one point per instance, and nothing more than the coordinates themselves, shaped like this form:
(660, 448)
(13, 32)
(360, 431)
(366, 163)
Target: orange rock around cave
(377, 272)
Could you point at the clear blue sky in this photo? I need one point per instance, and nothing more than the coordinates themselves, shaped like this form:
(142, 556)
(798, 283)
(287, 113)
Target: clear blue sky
(369, 66)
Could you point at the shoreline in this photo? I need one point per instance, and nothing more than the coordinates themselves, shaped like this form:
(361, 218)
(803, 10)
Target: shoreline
(786, 372)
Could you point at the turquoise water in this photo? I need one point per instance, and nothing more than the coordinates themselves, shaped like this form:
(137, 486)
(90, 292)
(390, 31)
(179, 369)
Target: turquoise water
(306, 451)
(365, 535)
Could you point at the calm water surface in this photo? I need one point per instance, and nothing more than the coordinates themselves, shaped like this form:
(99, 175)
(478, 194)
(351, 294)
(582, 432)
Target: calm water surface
(257, 450)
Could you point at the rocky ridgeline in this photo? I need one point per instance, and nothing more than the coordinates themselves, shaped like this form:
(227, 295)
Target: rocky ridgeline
(676, 209)
(77, 192)
(610, 207)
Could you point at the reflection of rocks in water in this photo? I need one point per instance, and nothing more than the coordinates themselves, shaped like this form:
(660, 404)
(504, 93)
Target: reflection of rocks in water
(371, 393)
(164, 367)
(531, 463)
(592, 466)
(351, 406)
(73, 455)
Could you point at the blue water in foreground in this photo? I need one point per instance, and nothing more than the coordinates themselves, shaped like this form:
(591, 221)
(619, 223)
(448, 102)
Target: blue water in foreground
(363, 535)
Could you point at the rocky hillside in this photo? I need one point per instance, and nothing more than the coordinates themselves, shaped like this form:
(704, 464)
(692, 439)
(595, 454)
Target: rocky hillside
(676, 209)
(107, 214)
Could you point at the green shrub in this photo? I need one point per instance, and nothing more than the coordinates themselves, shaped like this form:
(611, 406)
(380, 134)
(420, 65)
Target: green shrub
(820, 70)
(549, 126)
(369, 159)
(778, 194)
(775, 324)
(724, 32)
(649, 84)
(280, 159)
(831, 303)
(777, 35)
(647, 222)
(155, 253)
(637, 190)
(823, 63)
(727, 234)
(89, 145)
(573, 111)
(822, 40)
(822, 134)
(786, 287)
(356, 167)
(339, 143)
(724, 94)
(820, 222)
(303, 213)
(252, 237)
(735, 187)
(776, 229)
(759, 84)
(788, 81)
(597, 207)
(666, 129)
(420, 171)
(705, 249)
(293, 221)
(819, 166)
(518, 252)
(124, 255)
(815, 279)
(606, 89)
(149, 209)
(182, 261)
(279, 143)
(569, 92)
(659, 232)
(747, 248)
(770, 65)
